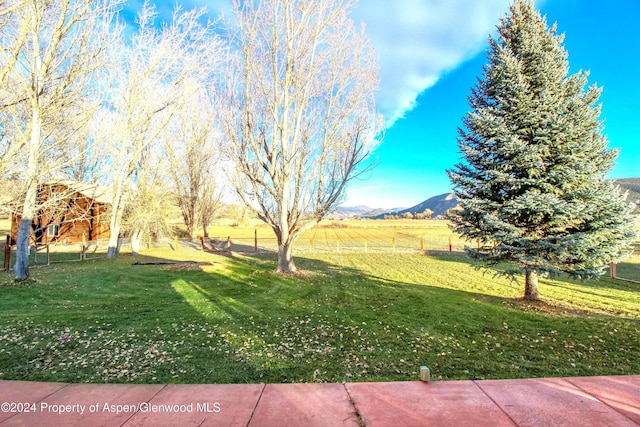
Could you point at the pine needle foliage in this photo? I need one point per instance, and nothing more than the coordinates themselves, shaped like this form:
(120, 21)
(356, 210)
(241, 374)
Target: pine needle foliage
(532, 185)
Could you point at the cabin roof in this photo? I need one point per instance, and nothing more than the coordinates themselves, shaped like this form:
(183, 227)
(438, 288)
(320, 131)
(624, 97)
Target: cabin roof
(93, 191)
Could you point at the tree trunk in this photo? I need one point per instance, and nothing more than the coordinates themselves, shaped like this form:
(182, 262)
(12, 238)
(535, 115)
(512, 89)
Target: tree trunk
(285, 259)
(114, 235)
(531, 284)
(21, 268)
(114, 225)
(191, 230)
(136, 240)
(29, 210)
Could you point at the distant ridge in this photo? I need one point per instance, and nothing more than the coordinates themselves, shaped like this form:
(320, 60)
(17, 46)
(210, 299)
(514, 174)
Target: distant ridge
(442, 203)
(348, 212)
(632, 187)
(351, 212)
(439, 205)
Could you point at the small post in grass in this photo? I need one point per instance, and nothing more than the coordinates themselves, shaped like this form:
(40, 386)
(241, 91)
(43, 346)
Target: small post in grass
(48, 255)
(425, 375)
(7, 254)
(83, 249)
(450, 242)
(255, 240)
(612, 269)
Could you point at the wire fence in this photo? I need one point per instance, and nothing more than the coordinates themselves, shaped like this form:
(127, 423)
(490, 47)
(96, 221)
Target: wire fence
(354, 245)
(318, 243)
(57, 252)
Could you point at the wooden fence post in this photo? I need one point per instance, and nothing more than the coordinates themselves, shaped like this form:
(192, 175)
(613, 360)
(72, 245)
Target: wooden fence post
(48, 255)
(612, 269)
(7, 254)
(450, 242)
(83, 249)
(255, 240)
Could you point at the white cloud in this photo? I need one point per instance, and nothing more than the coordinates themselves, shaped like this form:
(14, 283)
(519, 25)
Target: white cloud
(417, 41)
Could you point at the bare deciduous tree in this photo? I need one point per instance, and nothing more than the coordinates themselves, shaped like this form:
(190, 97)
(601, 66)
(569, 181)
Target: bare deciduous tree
(193, 148)
(83, 155)
(150, 76)
(50, 69)
(302, 114)
(146, 214)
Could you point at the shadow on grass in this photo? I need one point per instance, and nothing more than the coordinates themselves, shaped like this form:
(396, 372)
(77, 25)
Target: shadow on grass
(604, 287)
(236, 321)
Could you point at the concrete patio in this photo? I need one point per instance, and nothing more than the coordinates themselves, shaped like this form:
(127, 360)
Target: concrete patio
(583, 401)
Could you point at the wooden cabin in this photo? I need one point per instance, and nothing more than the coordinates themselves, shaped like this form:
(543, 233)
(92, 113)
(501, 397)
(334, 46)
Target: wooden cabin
(68, 211)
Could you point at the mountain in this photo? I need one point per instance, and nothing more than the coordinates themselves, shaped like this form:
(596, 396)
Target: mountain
(439, 205)
(347, 212)
(380, 212)
(632, 187)
(351, 212)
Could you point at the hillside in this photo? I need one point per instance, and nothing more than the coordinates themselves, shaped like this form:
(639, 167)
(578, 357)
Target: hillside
(439, 205)
(349, 212)
(632, 187)
(355, 212)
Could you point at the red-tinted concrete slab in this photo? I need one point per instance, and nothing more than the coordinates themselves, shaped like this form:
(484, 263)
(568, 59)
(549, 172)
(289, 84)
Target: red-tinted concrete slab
(200, 405)
(304, 405)
(445, 403)
(86, 405)
(551, 402)
(19, 393)
(621, 393)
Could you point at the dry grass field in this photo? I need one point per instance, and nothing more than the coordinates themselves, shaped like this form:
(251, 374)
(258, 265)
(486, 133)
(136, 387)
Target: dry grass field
(350, 236)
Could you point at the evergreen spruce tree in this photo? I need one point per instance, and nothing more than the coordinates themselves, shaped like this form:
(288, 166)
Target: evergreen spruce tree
(532, 187)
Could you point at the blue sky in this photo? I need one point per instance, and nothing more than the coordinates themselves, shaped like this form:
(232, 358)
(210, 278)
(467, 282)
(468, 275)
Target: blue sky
(432, 51)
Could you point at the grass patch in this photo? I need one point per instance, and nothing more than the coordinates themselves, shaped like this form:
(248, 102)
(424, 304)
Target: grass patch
(350, 317)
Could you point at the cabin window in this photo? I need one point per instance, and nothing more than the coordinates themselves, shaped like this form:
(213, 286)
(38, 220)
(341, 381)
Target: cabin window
(53, 230)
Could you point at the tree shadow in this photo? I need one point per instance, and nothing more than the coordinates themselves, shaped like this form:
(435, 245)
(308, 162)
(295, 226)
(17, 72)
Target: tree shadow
(603, 287)
(234, 320)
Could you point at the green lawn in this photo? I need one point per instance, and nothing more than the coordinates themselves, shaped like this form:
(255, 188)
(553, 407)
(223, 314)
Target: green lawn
(348, 317)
